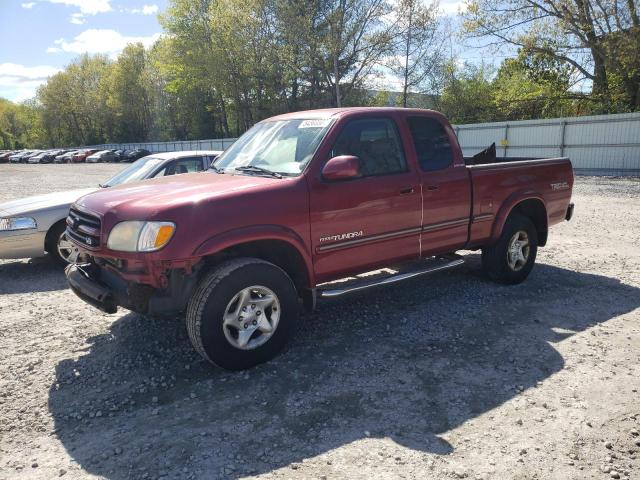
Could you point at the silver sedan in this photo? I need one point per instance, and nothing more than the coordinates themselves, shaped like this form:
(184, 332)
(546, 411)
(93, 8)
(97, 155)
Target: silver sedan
(33, 226)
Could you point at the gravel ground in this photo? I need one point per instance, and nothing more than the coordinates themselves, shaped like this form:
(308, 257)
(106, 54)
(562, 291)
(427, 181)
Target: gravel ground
(449, 376)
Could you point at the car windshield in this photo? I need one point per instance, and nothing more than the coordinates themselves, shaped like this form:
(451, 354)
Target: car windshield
(138, 170)
(281, 146)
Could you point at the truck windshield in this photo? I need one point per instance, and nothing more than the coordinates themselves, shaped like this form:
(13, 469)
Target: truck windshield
(281, 146)
(138, 170)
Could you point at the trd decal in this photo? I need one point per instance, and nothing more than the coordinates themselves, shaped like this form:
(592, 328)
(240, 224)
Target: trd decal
(341, 236)
(559, 186)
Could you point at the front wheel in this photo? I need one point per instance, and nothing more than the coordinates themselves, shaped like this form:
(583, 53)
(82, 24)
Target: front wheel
(242, 313)
(511, 258)
(61, 249)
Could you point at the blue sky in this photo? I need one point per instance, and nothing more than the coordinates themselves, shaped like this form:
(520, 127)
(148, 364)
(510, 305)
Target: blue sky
(40, 37)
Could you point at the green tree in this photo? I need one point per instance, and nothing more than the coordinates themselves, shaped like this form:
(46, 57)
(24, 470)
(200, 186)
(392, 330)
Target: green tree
(73, 103)
(468, 94)
(129, 95)
(599, 38)
(533, 85)
(420, 41)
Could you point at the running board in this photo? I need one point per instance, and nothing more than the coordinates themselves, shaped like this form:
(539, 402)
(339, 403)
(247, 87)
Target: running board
(435, 264)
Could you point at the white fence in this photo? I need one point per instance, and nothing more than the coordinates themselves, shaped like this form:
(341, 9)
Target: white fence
(597, 145)
(183, 145)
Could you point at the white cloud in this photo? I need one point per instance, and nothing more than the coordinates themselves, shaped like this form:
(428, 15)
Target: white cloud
(77, 18)
(106, 41)
(452, 7)
(87, 7)
(19, 82)
(28, 5)
(145, 10)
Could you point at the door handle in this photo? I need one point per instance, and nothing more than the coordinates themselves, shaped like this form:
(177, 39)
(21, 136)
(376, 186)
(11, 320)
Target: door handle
(432, 188)
(407, 190)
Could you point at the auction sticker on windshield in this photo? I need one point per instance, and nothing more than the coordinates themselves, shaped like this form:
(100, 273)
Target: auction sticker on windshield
(316, 123)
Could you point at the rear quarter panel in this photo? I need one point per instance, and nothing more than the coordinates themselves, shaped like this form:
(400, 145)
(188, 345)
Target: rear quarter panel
(499, 187)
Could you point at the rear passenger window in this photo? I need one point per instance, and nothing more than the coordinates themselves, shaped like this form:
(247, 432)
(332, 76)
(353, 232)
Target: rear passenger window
(185, 165)
(376, 143)
(432, 143)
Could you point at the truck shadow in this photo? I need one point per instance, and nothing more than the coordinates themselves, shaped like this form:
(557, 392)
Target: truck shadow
(407, 363)
(34, 275)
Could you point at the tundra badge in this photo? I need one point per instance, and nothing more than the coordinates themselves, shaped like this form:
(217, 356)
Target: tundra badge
(341, 236)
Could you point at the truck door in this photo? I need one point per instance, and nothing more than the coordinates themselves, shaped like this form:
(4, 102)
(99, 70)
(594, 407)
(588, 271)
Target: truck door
(446, 187)
(371, 220)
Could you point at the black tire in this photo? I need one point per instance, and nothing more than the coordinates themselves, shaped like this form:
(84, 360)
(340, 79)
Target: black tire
(213, 295)
(495, 258)
(51, 244)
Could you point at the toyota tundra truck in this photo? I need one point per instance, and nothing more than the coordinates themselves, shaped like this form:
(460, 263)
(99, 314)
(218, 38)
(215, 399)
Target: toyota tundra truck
(303, 207)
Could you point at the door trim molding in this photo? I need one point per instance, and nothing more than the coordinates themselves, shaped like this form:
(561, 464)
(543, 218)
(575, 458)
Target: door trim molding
(390, 235)
(451, 223)
(369, 239)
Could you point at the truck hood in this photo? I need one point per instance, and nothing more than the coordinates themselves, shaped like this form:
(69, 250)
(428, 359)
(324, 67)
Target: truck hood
(145, 199)
(42, 202)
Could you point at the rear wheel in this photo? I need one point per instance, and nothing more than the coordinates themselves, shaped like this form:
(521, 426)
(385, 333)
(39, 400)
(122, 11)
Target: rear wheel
(511, 258)
(242, 313)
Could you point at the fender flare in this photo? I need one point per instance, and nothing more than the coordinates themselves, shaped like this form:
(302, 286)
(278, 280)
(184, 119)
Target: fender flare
(239, 236)
(507, 207)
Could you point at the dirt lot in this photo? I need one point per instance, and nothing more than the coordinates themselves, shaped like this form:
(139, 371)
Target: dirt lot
(445, 377)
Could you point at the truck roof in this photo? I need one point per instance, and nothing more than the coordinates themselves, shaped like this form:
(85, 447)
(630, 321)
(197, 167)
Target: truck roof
(339, 112)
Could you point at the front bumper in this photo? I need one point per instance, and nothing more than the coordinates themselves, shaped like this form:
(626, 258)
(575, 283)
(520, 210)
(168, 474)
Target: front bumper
(106, 290)
(90, 289)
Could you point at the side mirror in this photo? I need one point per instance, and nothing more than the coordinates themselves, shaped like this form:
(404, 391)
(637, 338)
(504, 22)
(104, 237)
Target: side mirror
(342, 167)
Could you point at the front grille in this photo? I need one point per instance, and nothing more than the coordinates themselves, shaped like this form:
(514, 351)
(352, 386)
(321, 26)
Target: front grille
(84, 228)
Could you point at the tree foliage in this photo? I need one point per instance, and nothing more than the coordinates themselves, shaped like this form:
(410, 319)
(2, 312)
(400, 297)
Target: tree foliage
(600, 39)
(223, 65)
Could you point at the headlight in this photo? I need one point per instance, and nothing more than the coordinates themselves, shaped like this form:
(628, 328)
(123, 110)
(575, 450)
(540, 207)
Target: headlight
(17, 223)
(136, 236)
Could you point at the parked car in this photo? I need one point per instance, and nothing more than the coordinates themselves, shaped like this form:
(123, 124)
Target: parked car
(81, 155)
(49, 157)
(301, 200)
(65, 157)
(26, 158)
(44, 156)
(18, 156)
(29, 227)
(15, 156)
(4, 157)
(102, 156)
(120, 155)
(134, 155)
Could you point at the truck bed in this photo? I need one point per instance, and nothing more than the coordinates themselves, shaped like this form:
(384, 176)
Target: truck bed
(495, 183)
(488, 156)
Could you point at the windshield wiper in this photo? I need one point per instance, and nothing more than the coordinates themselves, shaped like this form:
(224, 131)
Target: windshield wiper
(253, 168)
(216, 169)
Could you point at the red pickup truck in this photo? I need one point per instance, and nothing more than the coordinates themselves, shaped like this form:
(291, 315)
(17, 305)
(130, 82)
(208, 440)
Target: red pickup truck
(299, 203)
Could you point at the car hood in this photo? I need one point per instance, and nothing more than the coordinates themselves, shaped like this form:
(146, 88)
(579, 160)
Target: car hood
(146, 199)
(42, 202)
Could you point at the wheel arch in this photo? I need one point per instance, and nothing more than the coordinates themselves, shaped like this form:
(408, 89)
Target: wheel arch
(274, 244)
(48, 238)
(531, 206)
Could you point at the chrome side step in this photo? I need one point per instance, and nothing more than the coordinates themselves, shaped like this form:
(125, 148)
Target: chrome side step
(339, 288)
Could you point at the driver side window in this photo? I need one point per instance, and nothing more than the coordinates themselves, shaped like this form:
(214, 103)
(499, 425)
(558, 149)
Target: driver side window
(376, 143)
